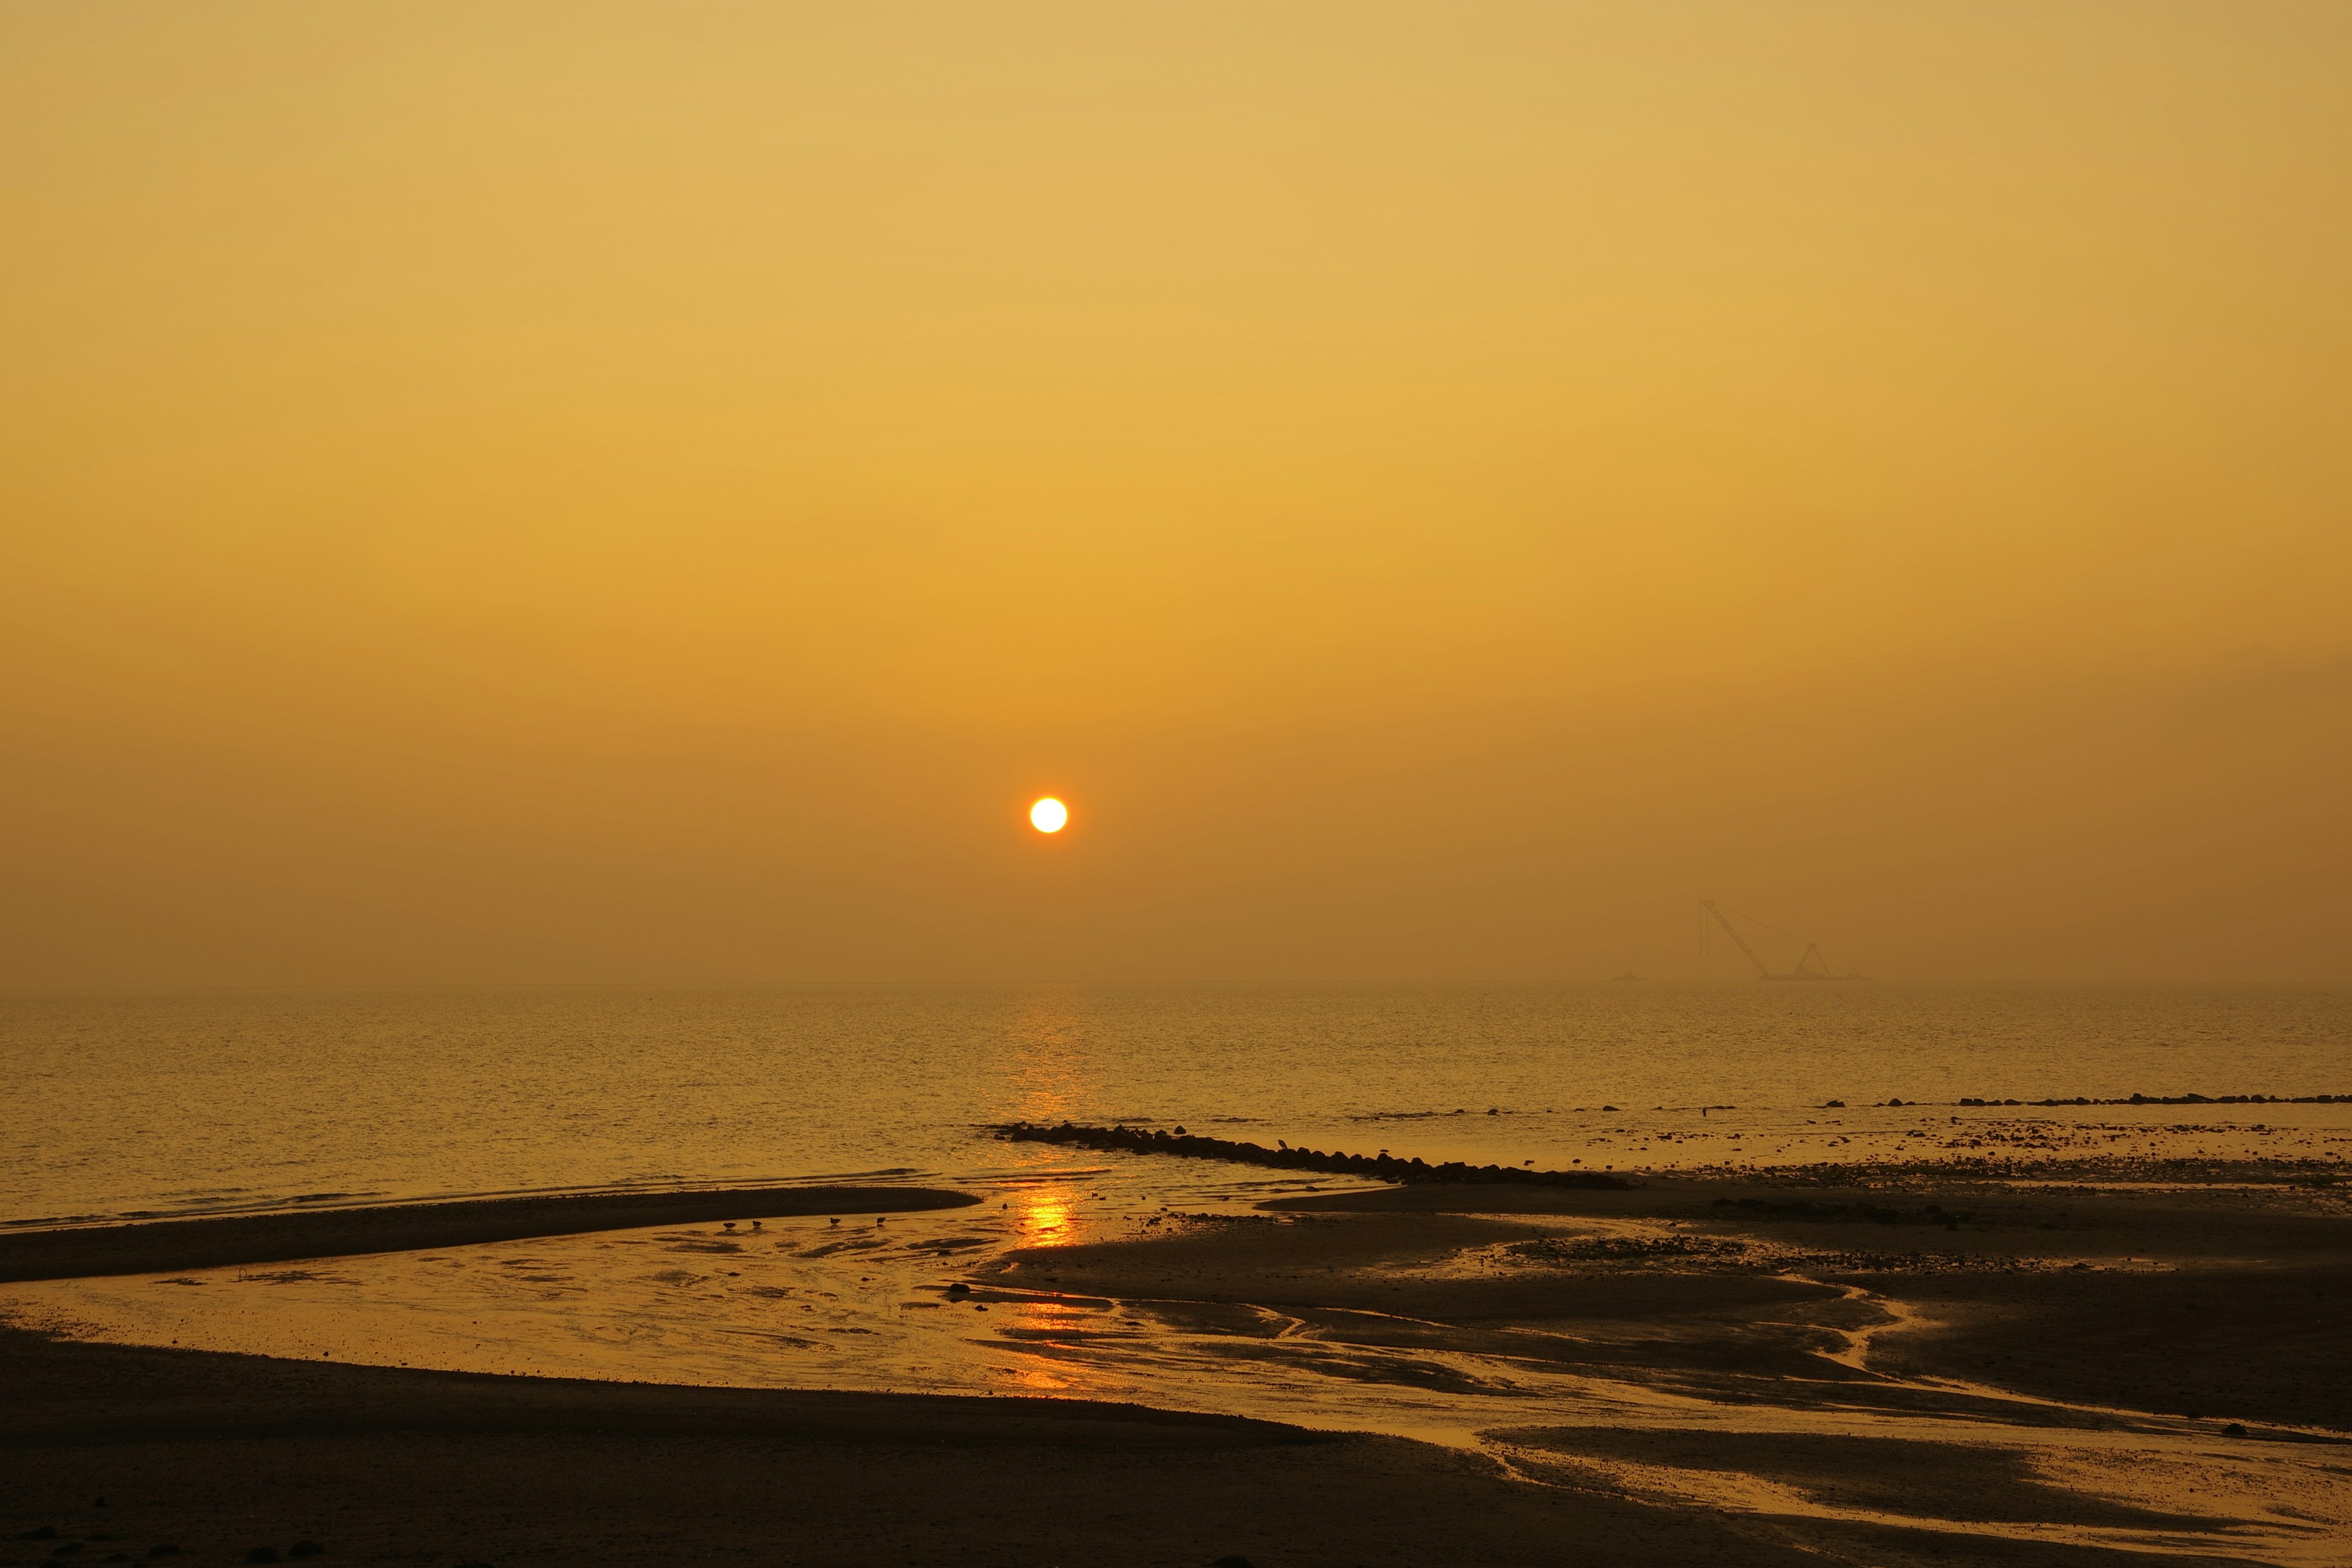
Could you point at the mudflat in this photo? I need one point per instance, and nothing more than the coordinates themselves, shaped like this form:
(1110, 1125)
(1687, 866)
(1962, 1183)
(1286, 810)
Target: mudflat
(218, 1455)
(162, 1246)
(2225, 1300)
(1698, 1371)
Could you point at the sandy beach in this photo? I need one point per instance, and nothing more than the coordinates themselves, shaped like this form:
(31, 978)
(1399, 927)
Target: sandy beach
(2018, 1374)
(162, 1246)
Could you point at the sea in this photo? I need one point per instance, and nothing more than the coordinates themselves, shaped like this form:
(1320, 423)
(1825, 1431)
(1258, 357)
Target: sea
(143, 1106)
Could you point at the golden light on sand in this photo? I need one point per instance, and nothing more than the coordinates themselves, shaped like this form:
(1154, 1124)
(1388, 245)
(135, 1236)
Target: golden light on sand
(1048, 814)
(1044, 1219)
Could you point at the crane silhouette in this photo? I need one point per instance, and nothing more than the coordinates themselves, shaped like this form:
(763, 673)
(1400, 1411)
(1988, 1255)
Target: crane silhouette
(1810, 965)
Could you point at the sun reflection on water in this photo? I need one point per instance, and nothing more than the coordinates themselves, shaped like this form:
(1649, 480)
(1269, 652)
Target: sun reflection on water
(1044, 1066)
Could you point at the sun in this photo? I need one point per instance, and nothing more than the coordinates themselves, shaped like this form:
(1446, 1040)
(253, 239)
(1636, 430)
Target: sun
(1048, 814)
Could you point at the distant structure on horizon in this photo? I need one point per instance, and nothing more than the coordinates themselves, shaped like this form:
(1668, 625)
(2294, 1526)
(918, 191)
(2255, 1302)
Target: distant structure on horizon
(1810, 965)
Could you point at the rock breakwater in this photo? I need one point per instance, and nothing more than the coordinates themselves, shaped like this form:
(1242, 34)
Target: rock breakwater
(2167, 1100)
(1383, 1166)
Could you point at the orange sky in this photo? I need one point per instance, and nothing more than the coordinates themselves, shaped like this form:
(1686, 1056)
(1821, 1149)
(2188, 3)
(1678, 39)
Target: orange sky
(509, 493)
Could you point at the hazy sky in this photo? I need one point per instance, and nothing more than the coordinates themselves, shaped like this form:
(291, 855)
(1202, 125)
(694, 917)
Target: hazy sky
(572, 491)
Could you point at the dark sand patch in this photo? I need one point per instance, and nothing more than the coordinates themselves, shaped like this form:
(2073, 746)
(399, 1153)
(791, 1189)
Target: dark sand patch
(219, 1453)
(162, 1247)
(2230, 1303)
(1433, 1199)
(1381, 1280)
(2252, 1344)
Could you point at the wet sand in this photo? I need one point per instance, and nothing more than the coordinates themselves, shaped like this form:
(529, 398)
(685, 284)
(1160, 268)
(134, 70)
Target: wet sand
(218, 1454)
(2228, 1299)
(1739, 1373)
(162, 1246)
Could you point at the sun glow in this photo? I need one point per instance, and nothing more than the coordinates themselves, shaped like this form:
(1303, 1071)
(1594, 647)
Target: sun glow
(1048, 814)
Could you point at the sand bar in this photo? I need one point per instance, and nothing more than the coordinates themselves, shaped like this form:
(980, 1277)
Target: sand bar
(162, 1246)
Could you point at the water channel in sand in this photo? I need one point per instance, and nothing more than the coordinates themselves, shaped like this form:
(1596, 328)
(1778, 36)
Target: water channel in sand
(913, 1303)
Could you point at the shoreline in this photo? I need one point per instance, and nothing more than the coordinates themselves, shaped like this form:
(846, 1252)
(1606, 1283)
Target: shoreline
(160, 1246)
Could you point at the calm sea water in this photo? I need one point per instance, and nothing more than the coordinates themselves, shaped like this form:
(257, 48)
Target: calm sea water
(122, 1105)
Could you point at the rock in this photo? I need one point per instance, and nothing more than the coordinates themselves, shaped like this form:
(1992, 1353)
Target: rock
(45, 1532)
(1233, 1559)
(2233, 1430)
(1132, 1141)
(262, 1555)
